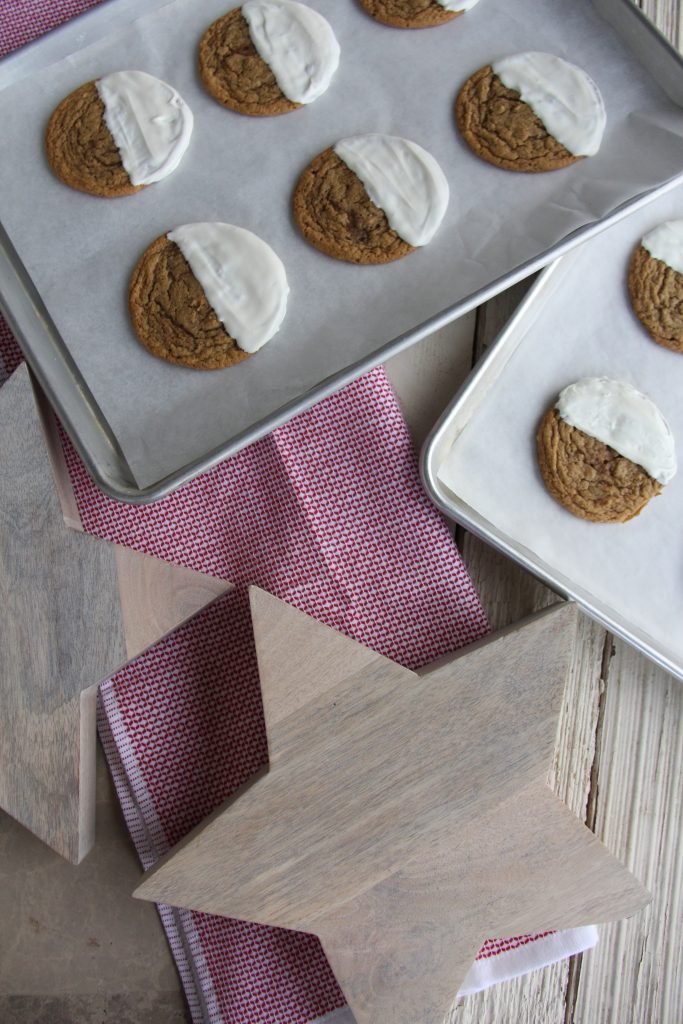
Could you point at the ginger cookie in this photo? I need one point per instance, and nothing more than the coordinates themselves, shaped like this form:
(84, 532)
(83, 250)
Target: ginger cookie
(531, 112)
(371, 199)
(268, 57)
(207, 295)
(416, 13)
(655, 284)
(604, 450)
(113, 136)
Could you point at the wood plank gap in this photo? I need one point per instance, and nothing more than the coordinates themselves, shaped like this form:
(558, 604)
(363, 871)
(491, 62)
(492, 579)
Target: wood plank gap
(479, 335)
(594, 788)
(573, 979)
(635, 973)
(576, 962)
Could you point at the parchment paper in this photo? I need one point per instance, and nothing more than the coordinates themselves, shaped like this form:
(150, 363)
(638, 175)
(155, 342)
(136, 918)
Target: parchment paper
(584, 329)
(80, 250)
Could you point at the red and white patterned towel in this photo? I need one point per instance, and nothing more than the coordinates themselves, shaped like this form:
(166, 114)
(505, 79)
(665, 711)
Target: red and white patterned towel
(328, 514)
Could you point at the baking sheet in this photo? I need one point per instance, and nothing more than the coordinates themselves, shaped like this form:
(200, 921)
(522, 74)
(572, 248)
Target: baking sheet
(80, 250)
(584, 328)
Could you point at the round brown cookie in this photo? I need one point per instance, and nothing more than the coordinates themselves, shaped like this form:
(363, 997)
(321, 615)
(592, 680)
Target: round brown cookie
(172, 316)
(81, 149)
(233, 72)
(409, 13)
(588, 477)
(501, 128)
(337, 216)
(656, 291)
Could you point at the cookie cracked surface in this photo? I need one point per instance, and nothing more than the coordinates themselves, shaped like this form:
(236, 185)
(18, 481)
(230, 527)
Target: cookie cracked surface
(502, 129)
(336, 215)
(588, 477)
(171, 314)
(409, 13)
(234, 73)
(80, 148)
(656, 292)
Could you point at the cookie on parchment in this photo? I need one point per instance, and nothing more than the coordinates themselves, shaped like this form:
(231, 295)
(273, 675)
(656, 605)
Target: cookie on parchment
(531, 112)
(371, 199)
(207, 295)
(268, 57)
(113, 136)
(604, 450)
(655, 284)
(416, 13)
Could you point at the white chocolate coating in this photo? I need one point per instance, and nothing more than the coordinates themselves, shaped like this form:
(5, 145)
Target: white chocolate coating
(243, 280)
(150, 122)
(563, 96)
(458, 5)
(297, 44)
(402, 179)
(665, 243)
(628, 421)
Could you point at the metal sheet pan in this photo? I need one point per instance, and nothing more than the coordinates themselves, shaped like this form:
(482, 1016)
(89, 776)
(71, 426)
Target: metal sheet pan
(55, 367)
(537, 534)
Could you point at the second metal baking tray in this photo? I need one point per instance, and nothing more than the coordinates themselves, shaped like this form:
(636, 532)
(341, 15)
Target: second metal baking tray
(575, 322)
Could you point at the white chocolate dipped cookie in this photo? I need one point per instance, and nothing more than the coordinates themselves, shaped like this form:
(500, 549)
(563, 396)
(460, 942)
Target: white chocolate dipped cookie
(531, 112)
(416, 13)
(268, 57)
(604, 449)
(371, 199)
(207, 295)
(117, 134)
(655, 284)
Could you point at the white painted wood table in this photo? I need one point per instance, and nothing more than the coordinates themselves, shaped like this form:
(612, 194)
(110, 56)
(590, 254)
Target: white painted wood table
(76, 949)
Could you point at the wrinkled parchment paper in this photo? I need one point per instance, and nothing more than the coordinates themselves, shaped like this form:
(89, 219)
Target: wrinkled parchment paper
(80, 250)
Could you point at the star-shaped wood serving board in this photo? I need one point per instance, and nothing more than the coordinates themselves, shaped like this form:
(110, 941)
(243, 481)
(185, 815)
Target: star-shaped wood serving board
(405, 817)
(73, 609)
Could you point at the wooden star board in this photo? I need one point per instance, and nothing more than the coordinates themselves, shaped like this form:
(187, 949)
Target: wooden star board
(404, 817)
(73, 609)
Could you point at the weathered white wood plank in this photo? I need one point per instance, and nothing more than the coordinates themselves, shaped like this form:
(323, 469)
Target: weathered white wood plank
(55, 451)
(60, 632)
(636, 972)
(666, 14)
(74, 609)
(426, 376)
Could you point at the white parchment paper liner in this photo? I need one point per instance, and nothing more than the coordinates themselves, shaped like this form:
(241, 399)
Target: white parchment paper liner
(80, 250)
(584, 329)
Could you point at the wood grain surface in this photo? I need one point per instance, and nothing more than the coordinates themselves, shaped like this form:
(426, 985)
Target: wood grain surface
(60, 632)
(156, 597)
(404, 817)
(74, 609)
(81, 951)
